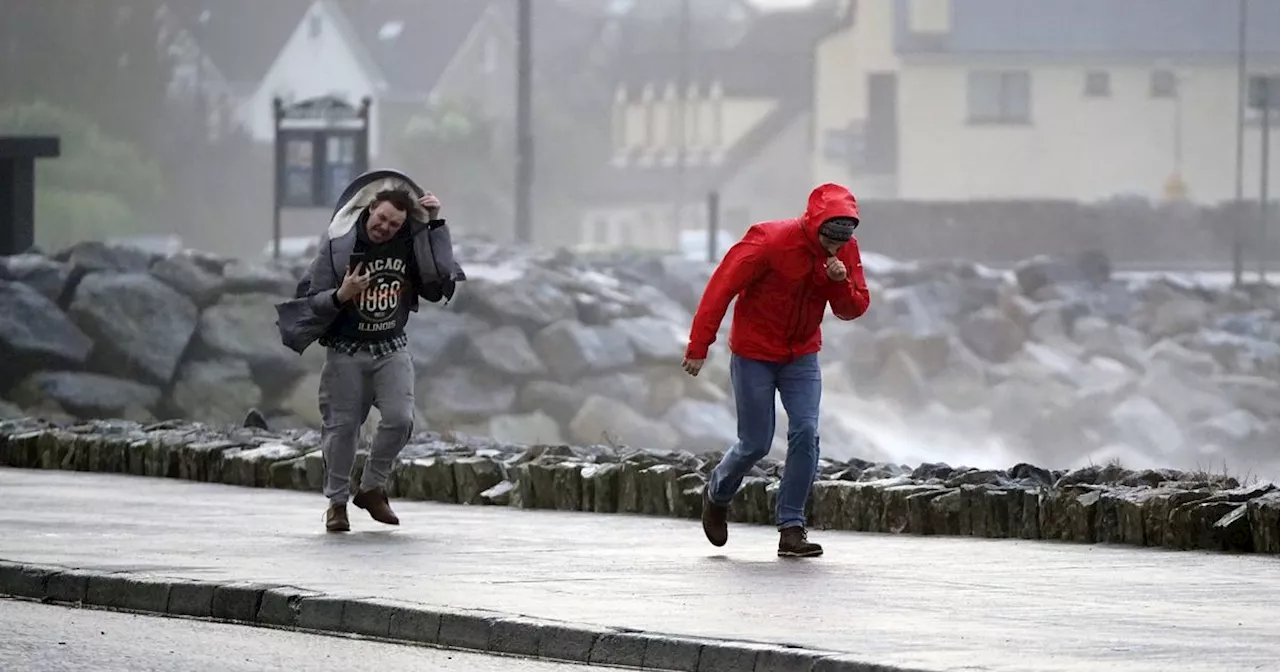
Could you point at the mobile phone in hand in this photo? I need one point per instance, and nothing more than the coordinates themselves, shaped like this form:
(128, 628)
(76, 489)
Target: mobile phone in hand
(356, 259)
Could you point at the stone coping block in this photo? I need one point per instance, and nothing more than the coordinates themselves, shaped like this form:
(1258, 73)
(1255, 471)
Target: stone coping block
(1098, 504)
(405, 622)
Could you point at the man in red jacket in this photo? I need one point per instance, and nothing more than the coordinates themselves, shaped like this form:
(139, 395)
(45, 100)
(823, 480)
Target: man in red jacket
(784, 275)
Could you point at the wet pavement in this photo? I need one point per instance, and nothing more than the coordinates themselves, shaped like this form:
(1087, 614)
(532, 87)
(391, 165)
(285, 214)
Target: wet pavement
(926, 602)
(44, 638)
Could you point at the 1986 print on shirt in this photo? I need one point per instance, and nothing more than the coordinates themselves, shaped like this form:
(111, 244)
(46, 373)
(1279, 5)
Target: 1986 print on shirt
(378, 304)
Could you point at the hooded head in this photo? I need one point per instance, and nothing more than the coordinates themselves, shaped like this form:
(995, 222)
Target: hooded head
(831, 216)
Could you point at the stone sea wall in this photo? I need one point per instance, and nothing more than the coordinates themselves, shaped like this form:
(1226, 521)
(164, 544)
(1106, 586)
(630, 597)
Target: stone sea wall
(1059, 362)
(1108, 504)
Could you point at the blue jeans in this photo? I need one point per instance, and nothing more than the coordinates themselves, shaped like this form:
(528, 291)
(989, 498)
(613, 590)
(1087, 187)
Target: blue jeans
(799, 382)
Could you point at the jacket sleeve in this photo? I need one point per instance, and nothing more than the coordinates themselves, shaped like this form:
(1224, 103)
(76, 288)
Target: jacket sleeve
(304, 318)
(850, 299)
(438, 270)
(321, 292)
(742, 265)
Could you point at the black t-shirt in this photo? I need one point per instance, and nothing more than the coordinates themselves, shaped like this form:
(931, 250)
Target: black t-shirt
(381, 311)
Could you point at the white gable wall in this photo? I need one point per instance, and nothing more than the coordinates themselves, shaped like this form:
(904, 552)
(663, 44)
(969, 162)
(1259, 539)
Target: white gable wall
(316, 61)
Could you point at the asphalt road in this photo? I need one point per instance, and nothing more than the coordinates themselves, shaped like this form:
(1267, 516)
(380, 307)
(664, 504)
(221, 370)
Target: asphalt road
(947, 604)
(43, 638)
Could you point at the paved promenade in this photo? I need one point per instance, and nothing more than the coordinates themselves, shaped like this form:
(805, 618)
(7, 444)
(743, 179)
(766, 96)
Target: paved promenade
(916, 602)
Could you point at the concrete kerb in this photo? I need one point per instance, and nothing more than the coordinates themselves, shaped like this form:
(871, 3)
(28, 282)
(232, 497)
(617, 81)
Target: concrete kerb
(295, 608)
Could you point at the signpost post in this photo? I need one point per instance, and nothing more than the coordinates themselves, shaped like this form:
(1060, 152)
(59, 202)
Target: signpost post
(321, 145)
(18, 189)
(1264, 95)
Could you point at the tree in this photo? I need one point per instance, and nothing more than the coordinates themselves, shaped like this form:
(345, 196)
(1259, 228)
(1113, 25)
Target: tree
(449, 148)
(98, 188)
(103, 59)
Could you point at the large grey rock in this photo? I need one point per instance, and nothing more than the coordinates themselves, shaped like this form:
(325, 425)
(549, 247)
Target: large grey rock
(87, 395)
(611, 422)
(140, 325)
(35, 334)
(242, 326)
(1237, 354)
(37, 271)
(660, 306)
(562, 402)
(505, 350)
(1255, 394)
(571, 349)
(1179, 316)
(653, 339)
(94, 256)
(1086, 268)
(531, 301)
(902, 380)
(438, 335)
(196, 276)
(462, 395)
(1144, 424)
(703, 426)
(631, 388)
(930, 351)
(682, 279)
(527, 428)
(215, 392)
(991, 335)
(245, 277)
(1176, 356)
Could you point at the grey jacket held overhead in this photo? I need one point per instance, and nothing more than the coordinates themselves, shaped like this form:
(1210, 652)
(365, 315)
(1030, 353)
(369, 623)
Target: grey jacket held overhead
(304, 319)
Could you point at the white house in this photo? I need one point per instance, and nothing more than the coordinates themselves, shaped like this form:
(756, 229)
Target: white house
(733, 118)
(1058, 99)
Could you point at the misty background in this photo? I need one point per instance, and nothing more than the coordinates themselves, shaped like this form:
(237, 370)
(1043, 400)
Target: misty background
(1115, 138)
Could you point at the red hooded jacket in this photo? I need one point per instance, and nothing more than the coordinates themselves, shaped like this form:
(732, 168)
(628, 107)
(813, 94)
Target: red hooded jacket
(778, 274)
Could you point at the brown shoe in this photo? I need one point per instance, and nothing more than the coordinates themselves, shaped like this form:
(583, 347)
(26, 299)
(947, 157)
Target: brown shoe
(715, 521)
(335, 518)
(793, 542)
(375, 502)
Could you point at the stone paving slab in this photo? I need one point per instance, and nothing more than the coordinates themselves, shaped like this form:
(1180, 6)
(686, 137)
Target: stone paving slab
(621, 584)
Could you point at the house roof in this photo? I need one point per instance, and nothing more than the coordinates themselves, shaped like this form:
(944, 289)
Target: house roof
(413, 41)
(772, 57)
(241, 37)
(1205, 28)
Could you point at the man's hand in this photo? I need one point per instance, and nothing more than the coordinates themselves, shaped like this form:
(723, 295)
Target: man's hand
(431, 204)
(353, 284)
(693, 366)
(836, 269)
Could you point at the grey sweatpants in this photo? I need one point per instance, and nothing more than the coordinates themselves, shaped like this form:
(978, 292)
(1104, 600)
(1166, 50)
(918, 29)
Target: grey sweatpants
(349, 386)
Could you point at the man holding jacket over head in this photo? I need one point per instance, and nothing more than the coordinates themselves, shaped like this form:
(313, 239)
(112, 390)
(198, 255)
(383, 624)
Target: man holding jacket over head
(382, 252)
(784, 275)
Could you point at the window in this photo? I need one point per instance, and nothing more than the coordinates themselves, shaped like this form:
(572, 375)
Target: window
(340, 160)
(999, 97)
(298, 172)
(1164, 84)
(1097, 84)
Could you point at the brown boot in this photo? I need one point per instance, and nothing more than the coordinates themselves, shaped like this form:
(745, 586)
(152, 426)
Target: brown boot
(375, 502)
(715, 521)
(793, 542)
(335, 518)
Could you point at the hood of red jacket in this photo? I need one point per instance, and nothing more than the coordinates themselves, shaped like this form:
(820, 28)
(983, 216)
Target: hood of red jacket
(825, 202)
